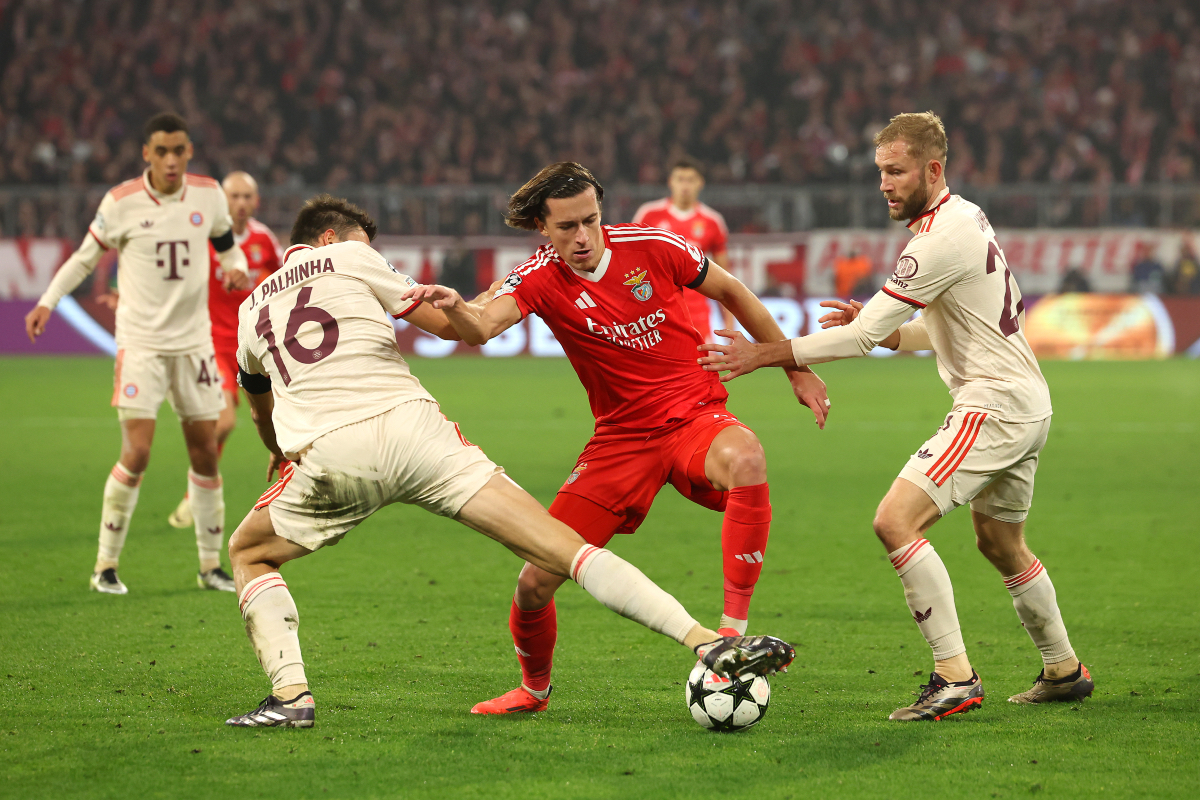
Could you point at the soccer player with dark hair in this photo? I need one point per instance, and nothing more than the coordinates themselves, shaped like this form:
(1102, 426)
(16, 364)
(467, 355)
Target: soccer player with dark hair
(162, 224)
(352, 430)
(613, 297)
(684, 214)
(986, 453)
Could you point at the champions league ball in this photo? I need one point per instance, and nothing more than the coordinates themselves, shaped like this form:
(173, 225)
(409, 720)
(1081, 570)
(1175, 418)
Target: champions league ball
(726, 704)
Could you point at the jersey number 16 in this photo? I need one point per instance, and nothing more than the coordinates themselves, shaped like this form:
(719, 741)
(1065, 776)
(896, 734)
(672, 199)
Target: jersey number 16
(301, 313)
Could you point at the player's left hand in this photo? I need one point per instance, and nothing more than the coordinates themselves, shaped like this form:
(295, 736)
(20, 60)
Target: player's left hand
(236, 280)
(275, 465)
(810, 390)
(436, 296)
(740, 357)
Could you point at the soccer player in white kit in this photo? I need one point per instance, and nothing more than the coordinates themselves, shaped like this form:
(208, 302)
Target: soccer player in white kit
(987, 451)
(352, 430)
(161, 223)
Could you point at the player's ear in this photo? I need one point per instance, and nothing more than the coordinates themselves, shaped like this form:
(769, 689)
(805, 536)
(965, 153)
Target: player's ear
(541, 226)
(146, 153)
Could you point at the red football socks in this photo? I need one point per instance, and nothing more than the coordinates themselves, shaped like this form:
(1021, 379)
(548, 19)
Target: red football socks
(534, 634)
(743, 545)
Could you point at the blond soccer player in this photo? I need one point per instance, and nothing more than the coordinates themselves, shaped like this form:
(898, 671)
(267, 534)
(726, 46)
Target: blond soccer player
(986, 452)
(353, 430)
(161, 223)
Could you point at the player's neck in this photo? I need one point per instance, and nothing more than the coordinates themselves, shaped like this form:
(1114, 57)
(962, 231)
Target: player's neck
(685, 206)
(239, 228)
(937, 195)
(158, 185)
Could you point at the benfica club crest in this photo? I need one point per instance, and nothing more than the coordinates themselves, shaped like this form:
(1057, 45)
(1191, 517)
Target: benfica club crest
(640, 287)
(574, 476)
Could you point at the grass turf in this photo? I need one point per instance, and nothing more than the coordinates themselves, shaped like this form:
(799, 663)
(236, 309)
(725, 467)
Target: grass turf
(404, 624)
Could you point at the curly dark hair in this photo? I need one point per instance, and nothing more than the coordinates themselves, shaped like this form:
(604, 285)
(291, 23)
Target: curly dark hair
(325, 212)
(564, 179)
(165, 121)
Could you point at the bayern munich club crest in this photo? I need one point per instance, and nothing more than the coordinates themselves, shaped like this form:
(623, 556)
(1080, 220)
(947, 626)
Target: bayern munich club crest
(197, 218)
(906, 267)
(638, 284)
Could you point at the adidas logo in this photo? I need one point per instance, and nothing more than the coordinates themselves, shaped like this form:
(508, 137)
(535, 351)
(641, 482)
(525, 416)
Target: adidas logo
(215, 530)
(112, 527)
(520, 652)
(924, 453)
(584, 301)
(919, 617)
(751, 558)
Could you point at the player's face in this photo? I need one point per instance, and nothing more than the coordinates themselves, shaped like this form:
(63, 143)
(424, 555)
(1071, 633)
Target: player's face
(243, 200)
(168, 155)
(572, 225)
(903, 180)
(685, 185)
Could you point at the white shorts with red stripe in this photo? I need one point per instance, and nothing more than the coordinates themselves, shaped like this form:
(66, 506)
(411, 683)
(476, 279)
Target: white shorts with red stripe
(975, 458)
(411, 454)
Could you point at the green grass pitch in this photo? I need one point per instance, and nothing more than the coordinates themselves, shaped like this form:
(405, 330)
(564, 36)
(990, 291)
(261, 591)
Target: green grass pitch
(404, 624)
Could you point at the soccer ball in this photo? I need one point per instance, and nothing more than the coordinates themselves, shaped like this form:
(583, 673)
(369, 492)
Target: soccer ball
(726, 704)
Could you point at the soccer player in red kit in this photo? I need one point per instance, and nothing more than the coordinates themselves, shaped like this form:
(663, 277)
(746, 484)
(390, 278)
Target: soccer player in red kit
(263, 256)
(684, 214)
(613, 297)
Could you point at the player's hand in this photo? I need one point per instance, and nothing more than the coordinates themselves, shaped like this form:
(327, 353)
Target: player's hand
(275, 465)
(109, 300)
(844, 315)
(740, 357)
(436, 296)
(810, 391)
(35, 322)
(236, 280)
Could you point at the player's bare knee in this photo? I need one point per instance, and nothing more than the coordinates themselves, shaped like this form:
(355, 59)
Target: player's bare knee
(747, 466)
(892, 531)
(536, 588)
(135, 458)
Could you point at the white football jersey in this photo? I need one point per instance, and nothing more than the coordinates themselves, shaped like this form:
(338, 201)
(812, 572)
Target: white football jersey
(972, 315)
(321, 329)
(163, 270)
(954, 271)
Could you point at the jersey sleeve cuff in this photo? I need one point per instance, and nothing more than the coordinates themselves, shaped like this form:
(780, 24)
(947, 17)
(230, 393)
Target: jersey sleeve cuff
(902, 298)
(99, 241)
(407, 311)
(699, 278)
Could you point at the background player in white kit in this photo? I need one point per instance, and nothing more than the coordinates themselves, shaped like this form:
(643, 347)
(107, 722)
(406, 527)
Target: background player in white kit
(353, 431)
(161, 224)
(987, 451)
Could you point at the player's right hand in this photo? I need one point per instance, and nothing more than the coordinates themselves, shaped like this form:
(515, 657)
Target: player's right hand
(844, 315)
(35, 322)
(275, 465)
(436, 296)
(109, 299)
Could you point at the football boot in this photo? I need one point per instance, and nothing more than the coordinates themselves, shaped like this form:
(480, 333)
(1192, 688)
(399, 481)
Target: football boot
(746, 655)
(272, 712)
(1075, 686)
(216, 579)
(107, 582)
(940, 698)
(519, 701)
(181, 517)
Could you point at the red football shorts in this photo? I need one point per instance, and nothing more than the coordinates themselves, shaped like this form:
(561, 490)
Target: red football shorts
(619, 475)
(228, 366)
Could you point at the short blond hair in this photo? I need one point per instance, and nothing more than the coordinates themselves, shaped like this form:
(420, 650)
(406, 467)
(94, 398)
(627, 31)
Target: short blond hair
(923, 133)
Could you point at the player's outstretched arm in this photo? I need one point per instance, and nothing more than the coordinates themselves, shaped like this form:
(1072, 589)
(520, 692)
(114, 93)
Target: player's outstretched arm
(476, 324)
(66, 280)
(733, 295)
(845, 313)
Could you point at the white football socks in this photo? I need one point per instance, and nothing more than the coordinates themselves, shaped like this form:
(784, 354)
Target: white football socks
(207, 499)
(930, 597)
(1037, 607)
(622, 588)
(120, 499)
(272, 622)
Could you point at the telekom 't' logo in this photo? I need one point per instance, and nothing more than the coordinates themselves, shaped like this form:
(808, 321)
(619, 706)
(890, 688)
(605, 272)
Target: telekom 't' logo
(175, 258)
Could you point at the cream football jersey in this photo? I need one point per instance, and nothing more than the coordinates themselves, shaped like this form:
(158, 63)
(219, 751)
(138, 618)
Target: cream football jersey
(971, 313)
(321, 329)
(162, 274)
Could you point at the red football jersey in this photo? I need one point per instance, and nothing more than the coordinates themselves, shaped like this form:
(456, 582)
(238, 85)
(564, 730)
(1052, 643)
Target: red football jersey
(263, 256)
(625, 327)
(703, 227)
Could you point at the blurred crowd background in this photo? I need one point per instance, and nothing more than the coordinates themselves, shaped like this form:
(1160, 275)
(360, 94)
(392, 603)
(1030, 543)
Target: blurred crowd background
(417, 92)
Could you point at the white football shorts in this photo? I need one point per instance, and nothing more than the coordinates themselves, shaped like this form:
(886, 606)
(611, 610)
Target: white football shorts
(975, 458)
(191, 382)
(411, 454)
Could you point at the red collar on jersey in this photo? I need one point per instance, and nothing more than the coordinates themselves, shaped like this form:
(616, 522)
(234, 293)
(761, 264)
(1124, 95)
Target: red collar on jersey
(288, 253)
(933, 210)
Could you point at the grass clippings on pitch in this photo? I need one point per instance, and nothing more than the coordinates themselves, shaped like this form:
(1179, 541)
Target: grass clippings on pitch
(404, 624)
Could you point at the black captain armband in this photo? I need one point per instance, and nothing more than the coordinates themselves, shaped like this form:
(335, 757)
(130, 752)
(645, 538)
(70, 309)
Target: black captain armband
(223, 242)
(699, 278)
(253, 384)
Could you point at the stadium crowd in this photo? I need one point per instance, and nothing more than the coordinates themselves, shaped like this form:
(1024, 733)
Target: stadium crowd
(417, 92)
